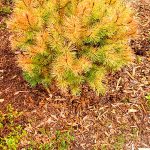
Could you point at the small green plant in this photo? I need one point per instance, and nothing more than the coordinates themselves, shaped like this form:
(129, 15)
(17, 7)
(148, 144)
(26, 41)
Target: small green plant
(120, 141)
(134, 134)
(61, 141)
(138, 59)
(148, 96)
(103, 147)
(148, 99)
(71, 41)
(14, 132)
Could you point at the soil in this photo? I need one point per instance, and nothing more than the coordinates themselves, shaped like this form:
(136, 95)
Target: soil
(97, 121)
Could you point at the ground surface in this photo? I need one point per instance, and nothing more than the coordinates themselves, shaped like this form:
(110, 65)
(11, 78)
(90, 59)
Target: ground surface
(118, 120)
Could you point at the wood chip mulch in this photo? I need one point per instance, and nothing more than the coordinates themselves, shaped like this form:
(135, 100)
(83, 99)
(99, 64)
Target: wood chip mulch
(118, 120)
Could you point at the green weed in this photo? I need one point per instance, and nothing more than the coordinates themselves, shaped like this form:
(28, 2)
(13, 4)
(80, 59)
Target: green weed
(120, 141)
(14, 132)
(61, 141)
(11, 134)
(139, 59)
(148, 99)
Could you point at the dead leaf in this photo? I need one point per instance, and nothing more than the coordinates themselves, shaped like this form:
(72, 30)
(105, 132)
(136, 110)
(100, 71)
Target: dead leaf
(132, 110)
(1, 100)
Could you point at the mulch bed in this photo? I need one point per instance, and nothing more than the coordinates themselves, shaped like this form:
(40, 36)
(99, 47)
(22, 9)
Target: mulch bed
(96, 121)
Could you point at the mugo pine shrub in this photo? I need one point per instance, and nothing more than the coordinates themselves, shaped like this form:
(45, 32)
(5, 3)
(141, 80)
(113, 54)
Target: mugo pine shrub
(71, 41)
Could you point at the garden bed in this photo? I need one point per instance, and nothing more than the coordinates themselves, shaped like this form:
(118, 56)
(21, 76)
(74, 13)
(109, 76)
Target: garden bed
(117, 120)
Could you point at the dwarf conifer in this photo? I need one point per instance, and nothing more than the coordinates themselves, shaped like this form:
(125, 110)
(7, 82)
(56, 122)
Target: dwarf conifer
(71, 41)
